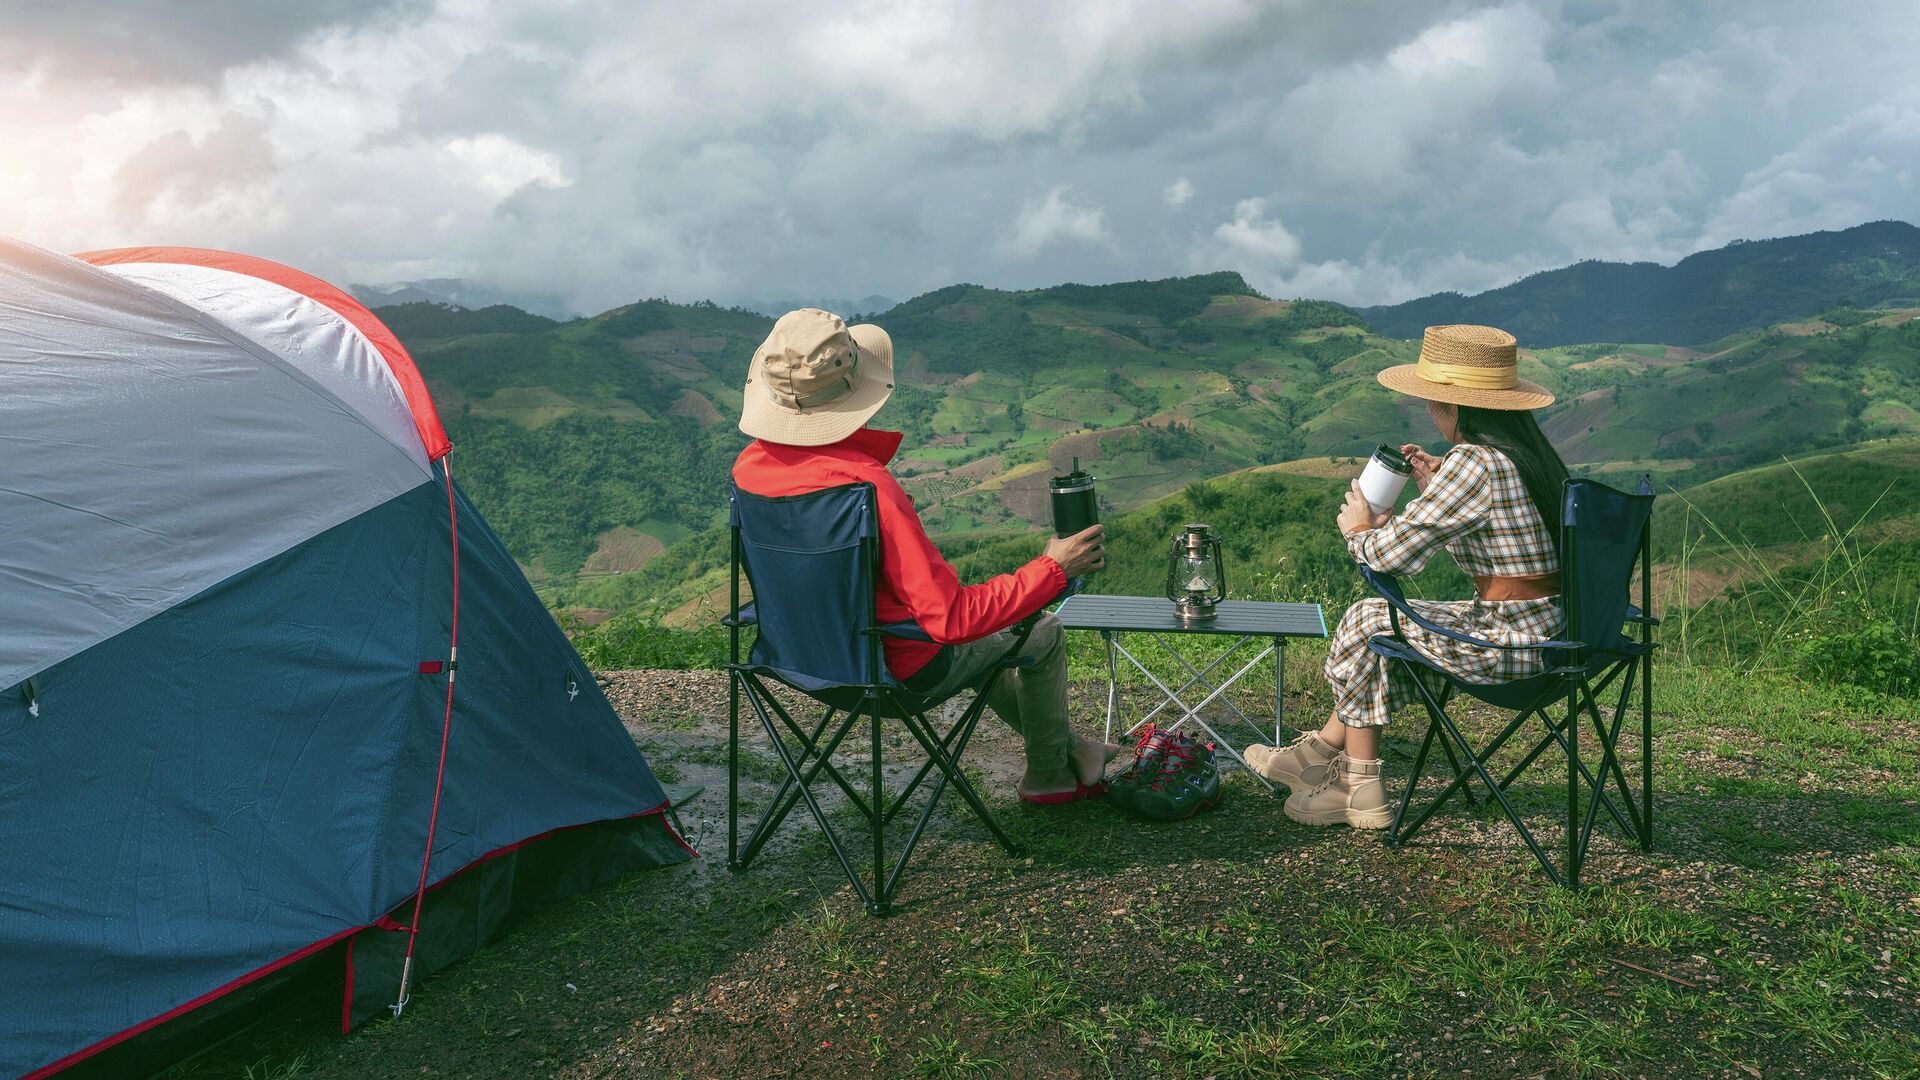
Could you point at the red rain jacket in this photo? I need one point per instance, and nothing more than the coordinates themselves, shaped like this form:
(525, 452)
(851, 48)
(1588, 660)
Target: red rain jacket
(916, 583)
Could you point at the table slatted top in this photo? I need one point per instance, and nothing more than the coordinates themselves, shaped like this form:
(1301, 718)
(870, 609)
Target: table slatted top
(1155, 613)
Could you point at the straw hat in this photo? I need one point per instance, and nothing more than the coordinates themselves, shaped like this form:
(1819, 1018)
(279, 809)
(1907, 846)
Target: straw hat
(1467, 365)
(816, 380)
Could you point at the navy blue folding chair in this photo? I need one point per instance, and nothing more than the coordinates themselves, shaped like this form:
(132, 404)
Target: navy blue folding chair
(811, 562)
(1604, 533)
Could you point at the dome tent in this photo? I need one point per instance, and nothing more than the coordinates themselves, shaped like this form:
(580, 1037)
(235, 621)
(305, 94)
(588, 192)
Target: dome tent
(233, 569)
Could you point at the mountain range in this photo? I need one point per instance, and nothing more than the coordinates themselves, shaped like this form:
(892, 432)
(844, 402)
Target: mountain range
(866, 305)
(597, 444)
(1701, 298)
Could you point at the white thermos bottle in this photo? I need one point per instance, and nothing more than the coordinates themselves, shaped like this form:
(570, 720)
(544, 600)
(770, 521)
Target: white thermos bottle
(1384, 477)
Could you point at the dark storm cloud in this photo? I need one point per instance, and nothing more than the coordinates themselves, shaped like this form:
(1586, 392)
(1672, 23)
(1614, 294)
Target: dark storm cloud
(168, 40)
(602, 151)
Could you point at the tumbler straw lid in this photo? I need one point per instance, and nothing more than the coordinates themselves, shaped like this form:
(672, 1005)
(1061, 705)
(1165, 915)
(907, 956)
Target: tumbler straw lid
(1073, 481)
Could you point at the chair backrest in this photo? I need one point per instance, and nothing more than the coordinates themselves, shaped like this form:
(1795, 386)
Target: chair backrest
(1604, 532)
(811, 560)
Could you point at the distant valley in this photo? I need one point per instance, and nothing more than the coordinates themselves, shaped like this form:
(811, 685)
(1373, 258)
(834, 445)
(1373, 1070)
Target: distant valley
(599, 446)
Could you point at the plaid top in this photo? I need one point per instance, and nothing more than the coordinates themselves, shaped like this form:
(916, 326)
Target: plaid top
(1477, 508)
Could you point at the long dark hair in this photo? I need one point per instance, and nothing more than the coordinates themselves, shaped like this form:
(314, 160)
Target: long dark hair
(1515, 433)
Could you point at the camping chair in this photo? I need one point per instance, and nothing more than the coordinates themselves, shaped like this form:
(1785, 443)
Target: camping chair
(1603, 533)
(811, 561)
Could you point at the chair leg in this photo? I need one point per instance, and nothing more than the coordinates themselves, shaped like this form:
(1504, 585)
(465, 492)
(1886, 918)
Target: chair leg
(808, 742)
(788, 795)
(805, 794)
(1440, 715)
(813, 758)
(1609, 735)
(950, 773)
(1453, 763)
(882, 890)
(1394, 836)
(978, 703)
(784, 799)
(1573, 791)
(1460, 782)
(1646, 754)
(1435, 712)
(919, 826)
(733, 769)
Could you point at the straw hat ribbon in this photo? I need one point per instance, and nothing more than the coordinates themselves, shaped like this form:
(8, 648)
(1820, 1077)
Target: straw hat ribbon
(1467, 365)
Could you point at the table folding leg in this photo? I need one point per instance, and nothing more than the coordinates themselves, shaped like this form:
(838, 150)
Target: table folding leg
(1196, 677)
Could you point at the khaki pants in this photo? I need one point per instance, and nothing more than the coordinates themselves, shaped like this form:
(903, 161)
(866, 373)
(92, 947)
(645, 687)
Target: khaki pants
(1032, 700)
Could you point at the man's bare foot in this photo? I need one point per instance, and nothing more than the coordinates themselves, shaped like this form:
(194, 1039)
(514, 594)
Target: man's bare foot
(1040, 783)
(1090, 758)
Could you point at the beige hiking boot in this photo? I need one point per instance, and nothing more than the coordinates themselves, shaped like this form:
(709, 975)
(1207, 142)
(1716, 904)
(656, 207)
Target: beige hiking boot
(1350, 794)
(1299, 765)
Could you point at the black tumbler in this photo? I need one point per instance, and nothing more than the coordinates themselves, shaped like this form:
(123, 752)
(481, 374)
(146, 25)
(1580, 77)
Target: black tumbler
(1075, 506)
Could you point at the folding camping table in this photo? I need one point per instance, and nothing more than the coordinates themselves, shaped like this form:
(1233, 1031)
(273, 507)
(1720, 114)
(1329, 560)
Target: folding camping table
(1244, 620)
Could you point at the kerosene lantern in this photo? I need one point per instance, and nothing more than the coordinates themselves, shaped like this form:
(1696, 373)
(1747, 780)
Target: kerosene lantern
(1196, 576)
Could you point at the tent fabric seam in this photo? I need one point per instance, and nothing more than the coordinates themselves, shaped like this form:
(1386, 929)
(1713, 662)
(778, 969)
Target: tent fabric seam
(122, 627)
(248, 345)
(385, 367)
(429, 427)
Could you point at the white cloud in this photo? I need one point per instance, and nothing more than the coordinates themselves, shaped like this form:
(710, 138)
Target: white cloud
(1866, 166)
(607, 151)
(1370, 122)
(1263, 250)
(1056, 218)
(500, 166)
(1254, 240)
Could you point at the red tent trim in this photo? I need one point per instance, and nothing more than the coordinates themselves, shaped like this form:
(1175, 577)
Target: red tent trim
(426, 418)
(300, 954)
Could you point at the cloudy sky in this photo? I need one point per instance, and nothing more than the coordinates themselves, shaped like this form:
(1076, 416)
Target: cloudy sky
(1359, 150)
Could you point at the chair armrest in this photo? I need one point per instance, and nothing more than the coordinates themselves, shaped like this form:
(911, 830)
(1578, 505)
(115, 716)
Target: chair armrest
(1388, 587)
(1638, 617)
(911, 631)
(746, 616)
(908, 630)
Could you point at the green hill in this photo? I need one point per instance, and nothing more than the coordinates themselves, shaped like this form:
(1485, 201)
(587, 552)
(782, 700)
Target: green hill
(596, 444)
(1706, 296)
(576, 436)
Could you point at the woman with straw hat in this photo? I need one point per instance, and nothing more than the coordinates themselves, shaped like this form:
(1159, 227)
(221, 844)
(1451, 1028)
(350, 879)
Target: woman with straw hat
(1490, 503)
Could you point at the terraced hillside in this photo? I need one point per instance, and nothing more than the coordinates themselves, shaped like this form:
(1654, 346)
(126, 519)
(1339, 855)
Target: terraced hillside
(596, 445)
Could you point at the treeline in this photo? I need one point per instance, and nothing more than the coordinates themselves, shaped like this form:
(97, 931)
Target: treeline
(1701, 298)
(422, 320)
(550, 492)
(1170, 299)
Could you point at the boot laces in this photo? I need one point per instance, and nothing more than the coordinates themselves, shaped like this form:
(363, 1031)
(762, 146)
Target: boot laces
(1333, 773)
(1168, 767)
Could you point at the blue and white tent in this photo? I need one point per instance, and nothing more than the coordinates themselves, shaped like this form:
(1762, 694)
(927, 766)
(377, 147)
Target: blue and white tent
(230, 592)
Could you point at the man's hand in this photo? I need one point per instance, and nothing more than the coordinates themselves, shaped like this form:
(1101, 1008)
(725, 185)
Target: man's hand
(1079, 554)
(1424, 464)
(1356, 515)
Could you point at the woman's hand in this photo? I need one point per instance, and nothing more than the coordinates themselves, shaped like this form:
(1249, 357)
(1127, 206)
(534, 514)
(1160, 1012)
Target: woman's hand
(1356, 515)
(1424, 464)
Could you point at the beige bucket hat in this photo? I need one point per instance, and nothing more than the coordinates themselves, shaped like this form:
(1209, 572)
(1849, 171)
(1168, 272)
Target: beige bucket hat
(1468, 365)
(816, 380)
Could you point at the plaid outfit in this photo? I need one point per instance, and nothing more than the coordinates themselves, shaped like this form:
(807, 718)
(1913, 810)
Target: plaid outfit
(1477, 508)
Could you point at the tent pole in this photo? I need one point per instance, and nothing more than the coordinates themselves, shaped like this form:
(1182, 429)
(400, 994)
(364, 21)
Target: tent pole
(446, 730)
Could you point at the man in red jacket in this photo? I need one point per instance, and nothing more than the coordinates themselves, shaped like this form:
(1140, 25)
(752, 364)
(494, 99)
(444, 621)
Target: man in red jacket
(813, 385)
